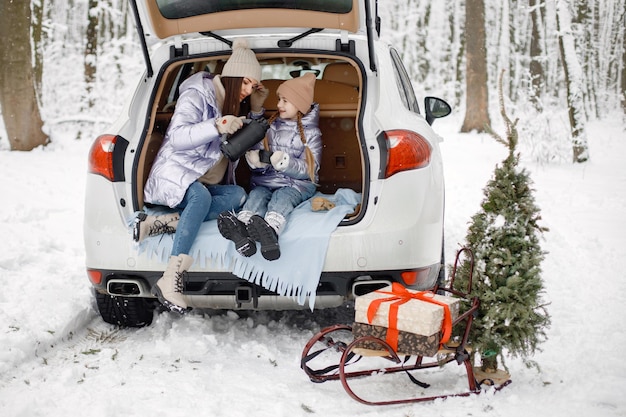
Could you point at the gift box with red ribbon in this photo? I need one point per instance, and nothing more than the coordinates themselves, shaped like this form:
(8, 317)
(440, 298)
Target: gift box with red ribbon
(423, 318)
(407, 343)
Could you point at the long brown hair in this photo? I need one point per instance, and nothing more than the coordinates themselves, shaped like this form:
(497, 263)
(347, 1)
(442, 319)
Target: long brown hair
(232, 88)
(310, 159)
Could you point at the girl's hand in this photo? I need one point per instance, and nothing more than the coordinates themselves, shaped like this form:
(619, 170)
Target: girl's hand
(280, 160)
(254, 160)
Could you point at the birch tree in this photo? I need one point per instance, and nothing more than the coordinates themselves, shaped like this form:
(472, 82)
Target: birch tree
(574, 83)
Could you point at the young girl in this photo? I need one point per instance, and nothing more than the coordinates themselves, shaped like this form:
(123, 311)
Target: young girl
(189, 173)
(283, 181)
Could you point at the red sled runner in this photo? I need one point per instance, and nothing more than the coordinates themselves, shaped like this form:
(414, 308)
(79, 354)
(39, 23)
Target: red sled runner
(367, 351)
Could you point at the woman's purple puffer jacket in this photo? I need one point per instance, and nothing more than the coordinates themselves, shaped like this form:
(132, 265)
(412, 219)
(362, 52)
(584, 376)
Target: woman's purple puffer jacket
(191, 145)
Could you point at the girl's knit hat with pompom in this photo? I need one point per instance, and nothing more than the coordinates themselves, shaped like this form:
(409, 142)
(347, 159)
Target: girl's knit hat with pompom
(299, 91)
(242, 62)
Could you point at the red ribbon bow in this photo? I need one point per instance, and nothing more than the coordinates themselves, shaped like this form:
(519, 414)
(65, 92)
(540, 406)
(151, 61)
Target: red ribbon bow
(399, 296)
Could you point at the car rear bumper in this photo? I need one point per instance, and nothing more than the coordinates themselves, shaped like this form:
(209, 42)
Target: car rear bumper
(227, 291)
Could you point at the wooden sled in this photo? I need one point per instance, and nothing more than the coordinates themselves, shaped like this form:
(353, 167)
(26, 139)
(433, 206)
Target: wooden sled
(334, 354)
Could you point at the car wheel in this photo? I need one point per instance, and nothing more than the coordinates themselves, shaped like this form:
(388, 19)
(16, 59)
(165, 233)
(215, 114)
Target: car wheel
(125, 311)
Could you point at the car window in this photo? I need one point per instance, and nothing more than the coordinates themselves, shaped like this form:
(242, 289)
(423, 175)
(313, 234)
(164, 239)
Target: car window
(404, 83)
(176, 9)
(293, 70)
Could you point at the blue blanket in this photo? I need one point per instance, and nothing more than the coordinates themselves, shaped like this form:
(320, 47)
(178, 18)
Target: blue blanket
(303, 245)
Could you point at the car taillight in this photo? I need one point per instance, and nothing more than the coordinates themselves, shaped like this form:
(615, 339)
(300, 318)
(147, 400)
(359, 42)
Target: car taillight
(106, 157)
(406, 150)
(101, 156)
(414, 276)
(95, 276)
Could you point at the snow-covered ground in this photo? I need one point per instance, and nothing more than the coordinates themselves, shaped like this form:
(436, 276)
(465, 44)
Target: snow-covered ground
(58, 358)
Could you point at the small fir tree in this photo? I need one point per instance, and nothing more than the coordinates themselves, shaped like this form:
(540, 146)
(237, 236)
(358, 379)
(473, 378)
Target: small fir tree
(504, 237)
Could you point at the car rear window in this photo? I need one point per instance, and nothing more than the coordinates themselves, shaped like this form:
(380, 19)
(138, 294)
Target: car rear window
(177, 9)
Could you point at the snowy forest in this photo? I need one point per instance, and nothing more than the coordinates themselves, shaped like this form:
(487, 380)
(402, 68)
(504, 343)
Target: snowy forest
(67, 67)
(564, 63)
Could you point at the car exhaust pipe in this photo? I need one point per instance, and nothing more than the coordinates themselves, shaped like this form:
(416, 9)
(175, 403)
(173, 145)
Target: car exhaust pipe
(128, 288)
(365, 287)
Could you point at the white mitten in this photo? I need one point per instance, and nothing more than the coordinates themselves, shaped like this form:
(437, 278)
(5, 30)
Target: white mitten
(280, 160)
(253, 159)
(229, 124)
(257, 98)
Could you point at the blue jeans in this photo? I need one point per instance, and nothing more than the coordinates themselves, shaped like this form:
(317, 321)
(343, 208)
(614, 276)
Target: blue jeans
(282, 200)
(202, 203)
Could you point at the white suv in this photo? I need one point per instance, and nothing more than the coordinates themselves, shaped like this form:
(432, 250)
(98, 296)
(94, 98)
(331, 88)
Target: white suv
(377, 145)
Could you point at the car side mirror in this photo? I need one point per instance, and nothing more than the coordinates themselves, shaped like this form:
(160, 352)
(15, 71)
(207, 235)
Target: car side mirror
(436, 108)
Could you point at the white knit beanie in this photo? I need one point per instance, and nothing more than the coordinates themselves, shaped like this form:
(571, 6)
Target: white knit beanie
(242, 62)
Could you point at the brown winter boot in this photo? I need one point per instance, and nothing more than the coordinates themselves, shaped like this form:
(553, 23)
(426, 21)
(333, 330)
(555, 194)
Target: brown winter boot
(169, 288)
(146, 225)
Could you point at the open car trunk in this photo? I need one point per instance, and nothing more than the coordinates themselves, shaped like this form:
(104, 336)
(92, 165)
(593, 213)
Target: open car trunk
(337, 90)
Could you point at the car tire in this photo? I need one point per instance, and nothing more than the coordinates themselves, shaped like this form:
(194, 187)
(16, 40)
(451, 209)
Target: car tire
(125, 311)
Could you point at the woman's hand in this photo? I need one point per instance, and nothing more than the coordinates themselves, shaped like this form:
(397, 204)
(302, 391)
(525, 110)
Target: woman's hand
(229, 124)
(257, 98)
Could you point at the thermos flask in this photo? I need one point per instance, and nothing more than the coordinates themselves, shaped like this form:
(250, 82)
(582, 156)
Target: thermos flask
(252, 132)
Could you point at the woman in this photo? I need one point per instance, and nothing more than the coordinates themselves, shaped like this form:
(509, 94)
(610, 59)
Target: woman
(190, 173)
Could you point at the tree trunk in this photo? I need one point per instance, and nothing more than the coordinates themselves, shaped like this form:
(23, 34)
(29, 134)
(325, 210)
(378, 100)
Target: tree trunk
(458, 74)
(37, 34)
(476, 99)
(574, 82)
(623, 71)
(18, 97)
(536, 69)
(91, 49)
(624, 78)
(584, 25)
